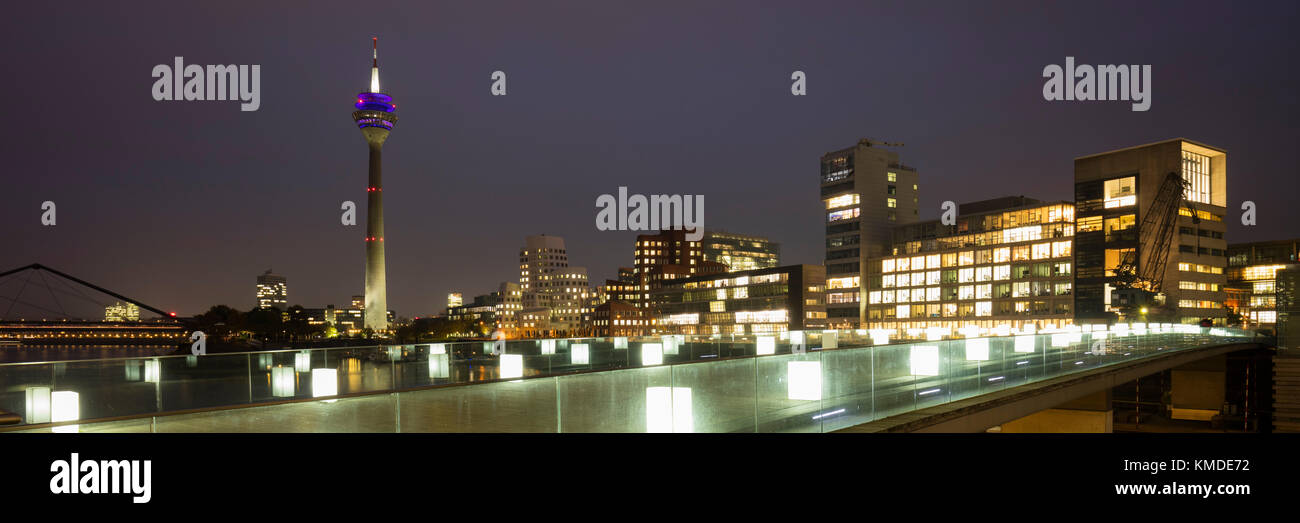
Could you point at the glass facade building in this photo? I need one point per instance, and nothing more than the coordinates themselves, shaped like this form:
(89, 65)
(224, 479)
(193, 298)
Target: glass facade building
(1006, 263)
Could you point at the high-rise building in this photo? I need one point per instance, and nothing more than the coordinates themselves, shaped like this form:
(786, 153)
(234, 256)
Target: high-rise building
(375, 116)
(669, 255)
(119, 311)
(455, 299)
(547, 281)
(272, 291)
(865, 192)
(740, 252)
(1114, 192)
(1252, 288)
(1005, 263)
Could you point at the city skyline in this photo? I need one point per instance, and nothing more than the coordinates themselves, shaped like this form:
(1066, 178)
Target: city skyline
(477, 173)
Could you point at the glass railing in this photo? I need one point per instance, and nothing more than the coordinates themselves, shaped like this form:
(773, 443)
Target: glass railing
(793, 382)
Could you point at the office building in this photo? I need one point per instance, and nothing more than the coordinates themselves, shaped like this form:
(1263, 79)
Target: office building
(1252, 288)
(455, 299)
(618, 318)
(272, 291)
(760, 301)
(865, 192)
(740, 252)
(119, 311)
(1006, 263)
(1118, 206)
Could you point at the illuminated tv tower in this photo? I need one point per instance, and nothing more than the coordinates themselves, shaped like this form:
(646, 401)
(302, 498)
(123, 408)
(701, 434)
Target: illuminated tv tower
(375, 117)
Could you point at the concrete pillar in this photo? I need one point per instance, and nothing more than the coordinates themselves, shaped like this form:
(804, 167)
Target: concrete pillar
(1089, 414)
(1197, 389)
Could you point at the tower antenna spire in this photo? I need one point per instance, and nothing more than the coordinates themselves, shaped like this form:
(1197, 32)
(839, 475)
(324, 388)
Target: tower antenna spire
(374, 68)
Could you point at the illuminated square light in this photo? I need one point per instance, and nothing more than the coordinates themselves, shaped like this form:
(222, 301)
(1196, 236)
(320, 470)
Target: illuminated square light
(652, 354)
(548, 346)
(936, 333)
(766, 345)
(805, 380)
(671, 342)
(438, 348)
(282, 381)
(439, 365)
(64, 406)
(880, 336)
(134, 370)
(579, 354)
(324, 382)
(512, 366)
(1025, 344)
(191, 361)
(797, 338)
(668, 409)
(925, 360)
(152, 371)
(489, 347)
(620, 343)
(830, 340)
(38, 405)
(1060, 340)
(302, 361)
(394, 353)
(977, 349)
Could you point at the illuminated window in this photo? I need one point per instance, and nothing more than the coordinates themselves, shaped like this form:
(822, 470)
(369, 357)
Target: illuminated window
(843, 201)
(873, 297)
(932, 278)
(918, 263)
(1002, 272)
(887, 281)
(1042, 250)
(1061, 249)
(893, 177)
(887, 266)
(983, 292)
(891, 202)
(932, 294)
(966, 292)
(965, 275)
(846, 214)
(1002, 255)
(949, 259)
(1120, 192)
(902, 296)
(931, 261)
(966, 258)
(903, 311)
(984, 308)
(1020, 252)
(1090, 224)
(903, 264)
(1196, 172)
(983, 273)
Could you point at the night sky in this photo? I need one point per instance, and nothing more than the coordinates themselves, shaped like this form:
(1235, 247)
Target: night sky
(182, 204)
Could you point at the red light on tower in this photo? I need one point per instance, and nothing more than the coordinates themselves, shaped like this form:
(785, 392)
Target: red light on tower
(173, 314)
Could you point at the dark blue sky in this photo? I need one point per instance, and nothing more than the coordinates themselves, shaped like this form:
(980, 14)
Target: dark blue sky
(182, 204)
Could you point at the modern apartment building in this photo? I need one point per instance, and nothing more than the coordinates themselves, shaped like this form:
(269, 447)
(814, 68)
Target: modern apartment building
(547, 281)
(1115, 191)
(1006, 263)
(865, 192)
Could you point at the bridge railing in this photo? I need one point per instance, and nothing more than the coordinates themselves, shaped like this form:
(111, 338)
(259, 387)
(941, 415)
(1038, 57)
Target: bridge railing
(798, 381)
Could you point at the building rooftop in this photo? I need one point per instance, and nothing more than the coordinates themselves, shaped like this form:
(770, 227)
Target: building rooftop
(1193, 142)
